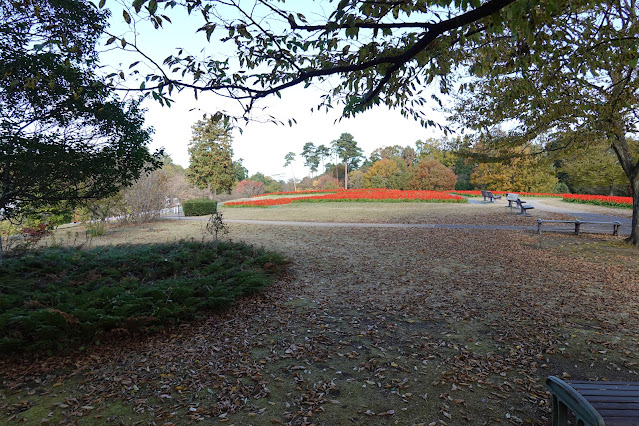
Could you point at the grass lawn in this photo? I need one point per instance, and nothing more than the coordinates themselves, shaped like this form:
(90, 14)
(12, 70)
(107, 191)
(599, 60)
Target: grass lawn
(450, 213)
(371, 326)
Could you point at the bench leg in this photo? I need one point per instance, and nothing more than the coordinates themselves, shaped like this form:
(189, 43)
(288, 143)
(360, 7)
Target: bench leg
(577, 227)
(559, 412)
(615, 230)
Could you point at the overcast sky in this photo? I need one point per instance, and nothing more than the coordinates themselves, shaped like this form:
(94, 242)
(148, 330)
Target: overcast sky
(262, 146)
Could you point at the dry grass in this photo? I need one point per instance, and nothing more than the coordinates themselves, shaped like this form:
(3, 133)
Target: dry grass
(446, 213)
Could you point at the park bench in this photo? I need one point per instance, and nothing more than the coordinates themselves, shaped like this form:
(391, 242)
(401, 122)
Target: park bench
(524, 207)
(578, 223)
(512, 199)
(490, 196)
(594, 403)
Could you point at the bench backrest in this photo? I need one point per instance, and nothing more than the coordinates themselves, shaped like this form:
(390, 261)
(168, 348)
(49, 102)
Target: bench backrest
(512, 197)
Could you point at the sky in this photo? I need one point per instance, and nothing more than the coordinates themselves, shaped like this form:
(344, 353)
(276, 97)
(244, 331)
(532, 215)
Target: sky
(261, 145)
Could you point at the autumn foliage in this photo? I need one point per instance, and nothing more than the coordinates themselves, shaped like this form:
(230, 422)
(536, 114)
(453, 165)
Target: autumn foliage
(430, 174)
(249, 188)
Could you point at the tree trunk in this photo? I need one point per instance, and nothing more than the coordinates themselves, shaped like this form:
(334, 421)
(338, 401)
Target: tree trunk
(634, 228)
(294, 183)
(631, 168)
(345, 175)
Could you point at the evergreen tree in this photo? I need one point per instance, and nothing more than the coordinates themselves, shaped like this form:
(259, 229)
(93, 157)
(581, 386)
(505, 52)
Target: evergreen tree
(211, 166)
(346, 148)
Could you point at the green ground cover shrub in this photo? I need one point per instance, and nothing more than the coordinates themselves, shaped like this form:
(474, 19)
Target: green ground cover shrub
(199, 207)
(63, 297)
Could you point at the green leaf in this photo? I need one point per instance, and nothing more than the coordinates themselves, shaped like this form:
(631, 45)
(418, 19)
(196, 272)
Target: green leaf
(126, 16)
(153, 6)
(137, 5)
(110, 40)
(101, 4)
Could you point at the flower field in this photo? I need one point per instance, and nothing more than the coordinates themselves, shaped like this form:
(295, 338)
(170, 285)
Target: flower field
(362, 195)
(600, 200)
(394, 195)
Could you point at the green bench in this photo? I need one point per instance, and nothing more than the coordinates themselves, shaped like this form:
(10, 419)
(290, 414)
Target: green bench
(594, 403)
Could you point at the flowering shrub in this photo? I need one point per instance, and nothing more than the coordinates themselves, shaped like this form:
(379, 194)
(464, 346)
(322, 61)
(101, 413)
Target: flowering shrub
(600, 200)
(365, 195)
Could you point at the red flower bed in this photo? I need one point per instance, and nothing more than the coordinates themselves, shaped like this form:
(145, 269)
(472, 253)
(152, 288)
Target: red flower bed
(365, 195)
(601, 200)
(259, 203)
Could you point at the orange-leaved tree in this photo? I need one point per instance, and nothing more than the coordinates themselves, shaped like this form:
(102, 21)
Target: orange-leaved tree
(430, 174)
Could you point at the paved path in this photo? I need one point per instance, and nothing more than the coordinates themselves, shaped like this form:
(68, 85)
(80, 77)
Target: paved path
(626, 222)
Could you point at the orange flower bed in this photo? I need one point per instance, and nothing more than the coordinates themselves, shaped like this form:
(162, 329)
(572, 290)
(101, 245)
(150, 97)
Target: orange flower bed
(361, 195)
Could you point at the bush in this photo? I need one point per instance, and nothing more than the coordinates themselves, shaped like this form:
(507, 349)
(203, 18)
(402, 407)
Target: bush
(199, 207)
(61, 298)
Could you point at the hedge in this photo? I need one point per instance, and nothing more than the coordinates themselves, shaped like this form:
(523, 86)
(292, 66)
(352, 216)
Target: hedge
(199, 207)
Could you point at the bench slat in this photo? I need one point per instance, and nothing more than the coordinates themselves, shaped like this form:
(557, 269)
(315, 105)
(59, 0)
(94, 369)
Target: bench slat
(621, 421)
(629, 407)
(609, 392)
(619, 413)
(602, 383)
(602, 398)
(605, 386)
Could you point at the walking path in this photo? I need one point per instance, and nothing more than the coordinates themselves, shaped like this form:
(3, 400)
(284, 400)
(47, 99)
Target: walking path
(573, 210)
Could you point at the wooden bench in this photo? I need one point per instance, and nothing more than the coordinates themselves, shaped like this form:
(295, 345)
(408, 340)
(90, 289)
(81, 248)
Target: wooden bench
(490, 196)
(524, 207)
(594, 403)
(578, 223)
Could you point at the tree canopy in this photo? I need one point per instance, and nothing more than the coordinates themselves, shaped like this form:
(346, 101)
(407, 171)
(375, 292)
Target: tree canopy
(380, 52)
(346, 148)
(572, 82)
(64, 136)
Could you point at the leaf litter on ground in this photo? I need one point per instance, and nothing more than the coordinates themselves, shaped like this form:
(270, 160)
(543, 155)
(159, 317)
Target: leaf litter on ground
(372, 326)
